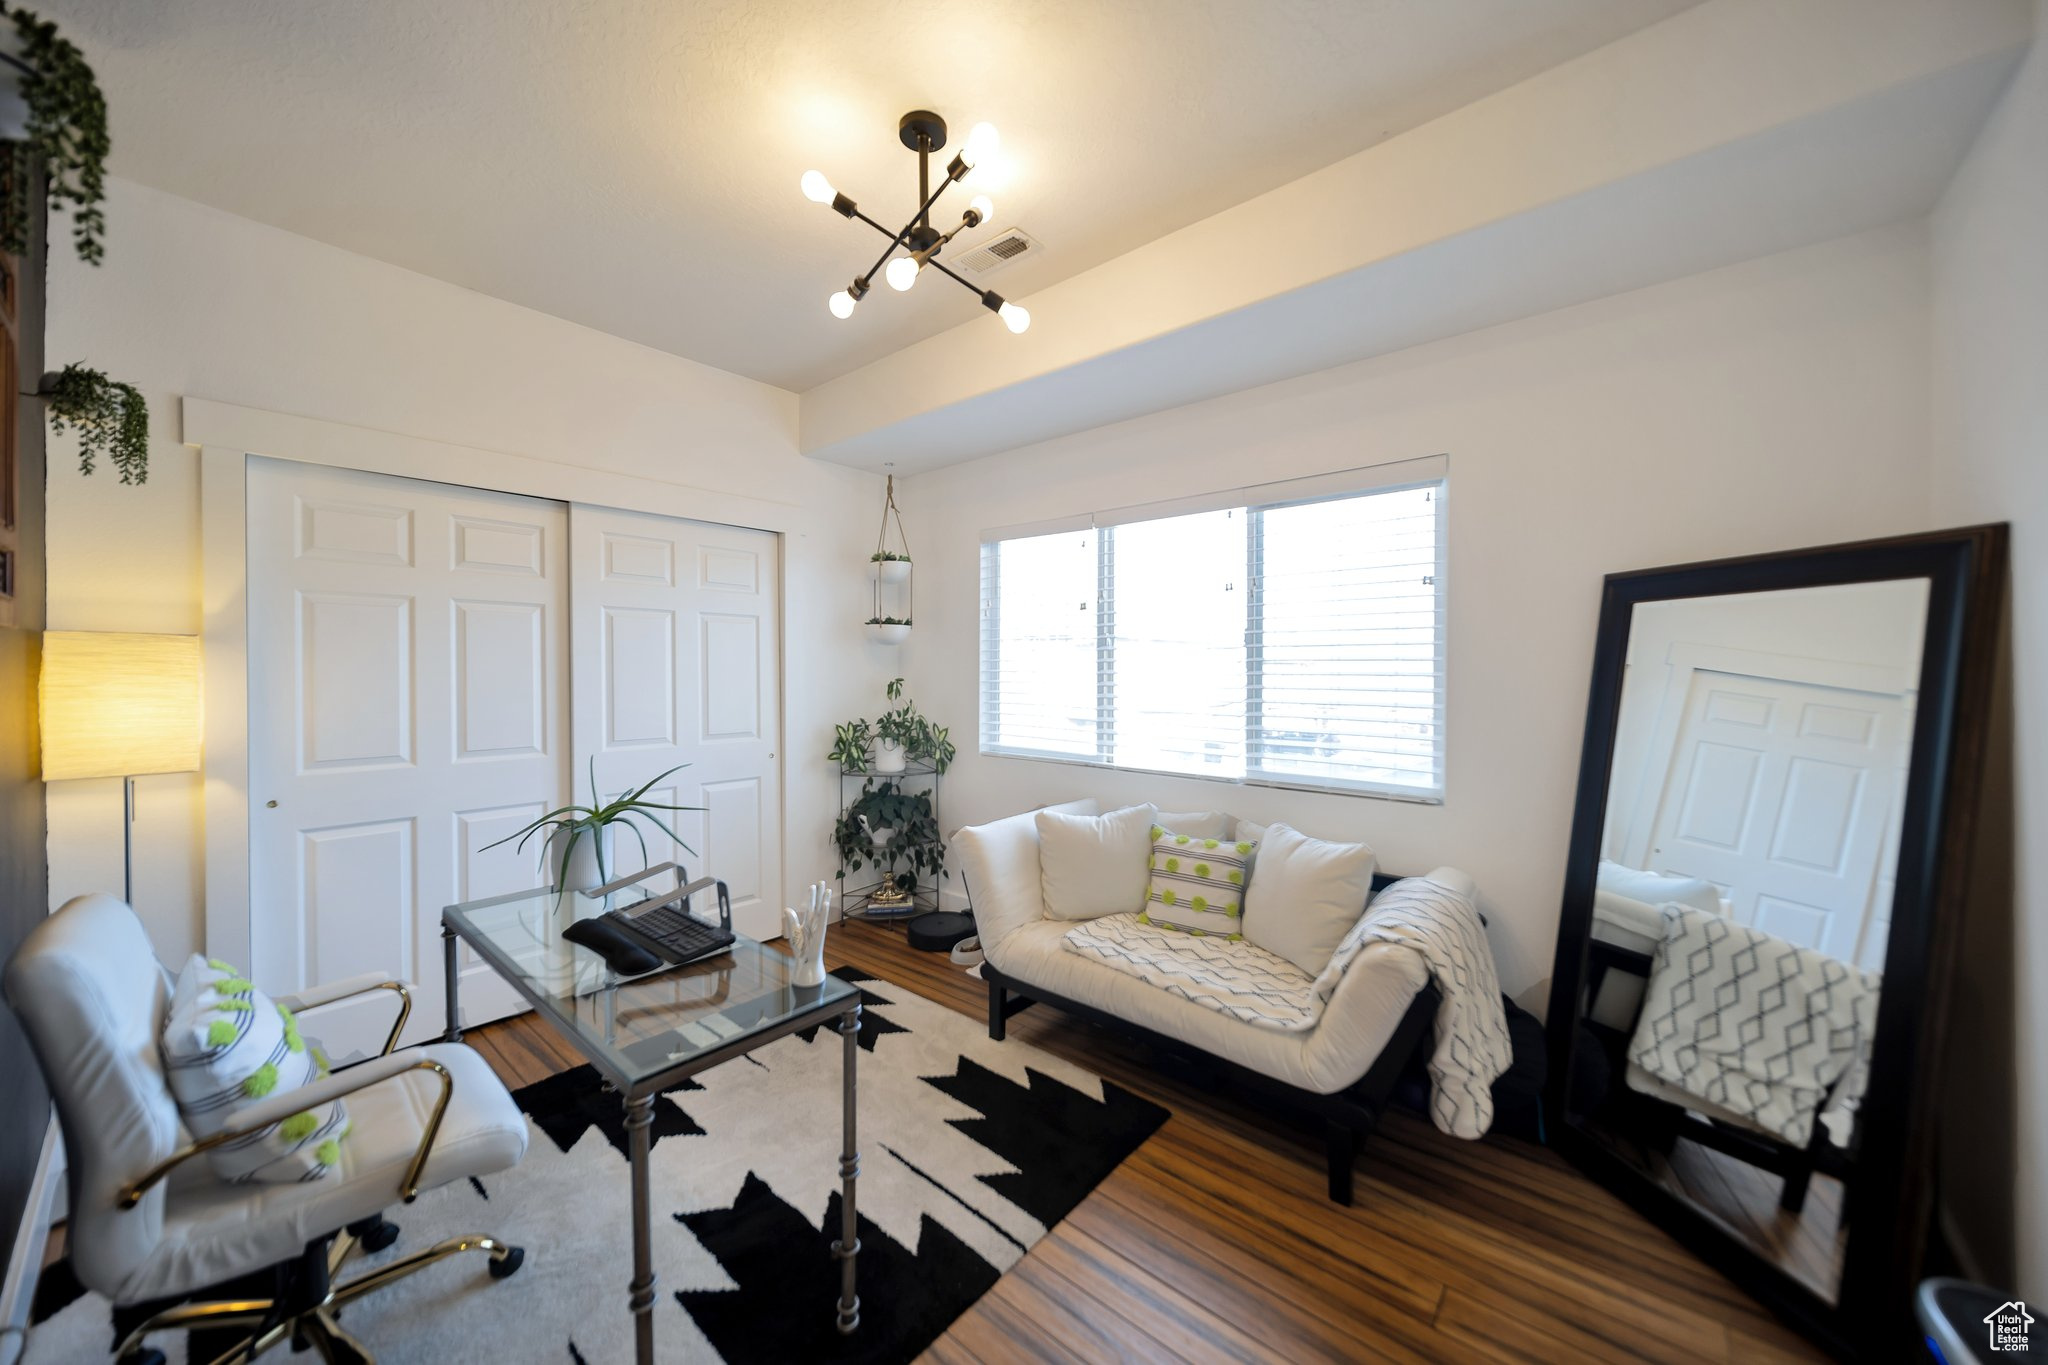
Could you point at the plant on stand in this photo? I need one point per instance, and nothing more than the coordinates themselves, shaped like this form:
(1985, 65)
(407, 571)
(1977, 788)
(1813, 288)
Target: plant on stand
(580, 844)
(901, 736)
(894, 831)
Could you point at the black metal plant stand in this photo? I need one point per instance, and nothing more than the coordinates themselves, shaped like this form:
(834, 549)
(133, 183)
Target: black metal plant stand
(871, 900)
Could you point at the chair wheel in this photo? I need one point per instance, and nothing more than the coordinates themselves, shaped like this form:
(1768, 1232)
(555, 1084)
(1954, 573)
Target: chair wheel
(379, 1237)
(509, 1266)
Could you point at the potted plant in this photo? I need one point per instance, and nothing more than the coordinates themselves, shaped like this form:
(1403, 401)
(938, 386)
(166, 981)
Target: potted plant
(579, 847)
(111, 419)
(894, 831)
(901, 736)
(888, 566)
(889, 630)
(57, 135)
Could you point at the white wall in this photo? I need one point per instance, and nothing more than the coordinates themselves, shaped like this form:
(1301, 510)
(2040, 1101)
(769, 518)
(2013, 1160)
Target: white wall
(1990, 463)
(1764, 406)
(194, 302)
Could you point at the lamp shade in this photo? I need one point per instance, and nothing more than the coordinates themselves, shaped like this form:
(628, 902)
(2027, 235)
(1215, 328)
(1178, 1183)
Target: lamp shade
(117, 705)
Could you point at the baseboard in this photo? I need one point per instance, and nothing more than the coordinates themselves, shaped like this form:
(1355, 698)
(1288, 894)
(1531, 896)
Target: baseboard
(18, 1288)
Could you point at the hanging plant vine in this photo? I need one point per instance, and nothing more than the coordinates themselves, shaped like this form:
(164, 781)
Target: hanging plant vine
(66, 142)
(111, 419)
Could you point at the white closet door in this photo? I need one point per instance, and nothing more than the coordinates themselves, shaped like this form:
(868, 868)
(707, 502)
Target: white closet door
(1783, 794)
(673, 660)
(408, 706)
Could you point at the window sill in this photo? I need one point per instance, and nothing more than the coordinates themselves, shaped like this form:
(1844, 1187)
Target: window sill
(1376, 793)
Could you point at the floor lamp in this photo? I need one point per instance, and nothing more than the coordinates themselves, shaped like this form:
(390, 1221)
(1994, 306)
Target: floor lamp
(116, 705)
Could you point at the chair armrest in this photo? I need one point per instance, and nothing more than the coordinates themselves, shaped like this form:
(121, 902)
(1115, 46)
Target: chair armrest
(254, 1118)
(318, 997)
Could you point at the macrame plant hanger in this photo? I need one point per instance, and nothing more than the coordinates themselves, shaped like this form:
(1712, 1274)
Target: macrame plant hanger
(889, 510)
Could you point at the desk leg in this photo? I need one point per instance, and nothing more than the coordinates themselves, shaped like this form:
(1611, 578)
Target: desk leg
(453, 1033)
(639, 1119)
(848, 1245)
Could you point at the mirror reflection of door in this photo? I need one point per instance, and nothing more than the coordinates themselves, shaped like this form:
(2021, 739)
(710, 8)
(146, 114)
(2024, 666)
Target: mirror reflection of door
(1742, 902)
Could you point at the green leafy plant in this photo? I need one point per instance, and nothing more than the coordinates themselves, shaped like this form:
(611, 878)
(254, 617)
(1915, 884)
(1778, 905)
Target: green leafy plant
(888, 621)
(915, 844)
(628, 810)
(66, 142)
(922, 741)
(888, 557)
(111, 419)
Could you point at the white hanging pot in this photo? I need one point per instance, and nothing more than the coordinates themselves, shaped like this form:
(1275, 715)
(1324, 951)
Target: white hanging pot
(887, 634)
(590, 864)
(880, 838)
(13, 106)
(889, 756)
(891, 571)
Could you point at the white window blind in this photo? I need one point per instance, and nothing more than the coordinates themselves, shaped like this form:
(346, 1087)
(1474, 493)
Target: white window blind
(1297, 642)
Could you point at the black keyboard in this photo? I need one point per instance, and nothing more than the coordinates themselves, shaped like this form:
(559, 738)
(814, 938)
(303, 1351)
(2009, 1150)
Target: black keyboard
(672, 932)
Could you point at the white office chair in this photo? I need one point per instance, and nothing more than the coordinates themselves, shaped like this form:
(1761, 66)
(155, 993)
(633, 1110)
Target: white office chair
(150, 1228)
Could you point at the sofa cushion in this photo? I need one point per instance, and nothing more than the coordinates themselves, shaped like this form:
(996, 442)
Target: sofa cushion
(1199, 824)
(1658, 888)
(1305, 895)
(1197, 884)
(1221, 973)
(1090, 865)
(1360, 1016)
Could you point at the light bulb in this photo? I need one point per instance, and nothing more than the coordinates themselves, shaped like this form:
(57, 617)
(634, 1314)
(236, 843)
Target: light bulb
(817, 188)
(1014, 318)
(841, 304)
(984, 206)
(902, 273)
(981, 144)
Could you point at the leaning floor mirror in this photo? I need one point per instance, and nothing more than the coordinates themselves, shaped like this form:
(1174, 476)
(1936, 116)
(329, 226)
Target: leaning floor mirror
(1762, 900)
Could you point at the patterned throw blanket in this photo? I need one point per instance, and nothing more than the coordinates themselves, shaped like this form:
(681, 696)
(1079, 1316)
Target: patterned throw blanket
(1241, 979)
(1760, 1027)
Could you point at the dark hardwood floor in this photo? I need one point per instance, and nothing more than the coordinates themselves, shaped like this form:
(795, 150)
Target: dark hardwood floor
(1453, 1251)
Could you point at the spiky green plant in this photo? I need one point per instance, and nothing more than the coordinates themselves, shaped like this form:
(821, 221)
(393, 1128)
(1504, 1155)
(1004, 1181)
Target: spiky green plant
(627, 810)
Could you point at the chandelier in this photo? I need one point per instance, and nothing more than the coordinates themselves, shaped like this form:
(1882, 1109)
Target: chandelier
(922, 132)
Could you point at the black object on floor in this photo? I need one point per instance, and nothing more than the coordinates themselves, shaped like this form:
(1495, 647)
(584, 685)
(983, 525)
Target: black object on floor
(936, 931)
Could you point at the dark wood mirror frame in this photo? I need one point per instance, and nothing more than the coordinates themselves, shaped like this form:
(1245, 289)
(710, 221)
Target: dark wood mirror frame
(1889, 1204)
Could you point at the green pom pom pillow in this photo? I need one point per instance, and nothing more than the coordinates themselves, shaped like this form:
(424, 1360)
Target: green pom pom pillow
(227, 1044)
(1197, 884)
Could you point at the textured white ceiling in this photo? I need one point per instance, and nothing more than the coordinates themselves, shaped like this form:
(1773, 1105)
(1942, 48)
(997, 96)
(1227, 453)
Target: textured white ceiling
(632, 164)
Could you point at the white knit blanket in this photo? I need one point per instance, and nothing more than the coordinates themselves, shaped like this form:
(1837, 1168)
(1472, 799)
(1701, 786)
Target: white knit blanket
(1438, 920)
(1757, 1026)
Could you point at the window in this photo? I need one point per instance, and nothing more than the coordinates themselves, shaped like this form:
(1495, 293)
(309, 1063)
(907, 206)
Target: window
(1290, 640)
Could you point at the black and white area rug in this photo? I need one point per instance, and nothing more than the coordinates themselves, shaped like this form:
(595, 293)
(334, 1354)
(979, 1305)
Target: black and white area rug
(970, 1152)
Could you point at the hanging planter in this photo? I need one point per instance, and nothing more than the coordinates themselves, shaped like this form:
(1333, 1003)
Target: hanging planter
(111, 419)
(889, 567)
(54, 122)
(888, 630)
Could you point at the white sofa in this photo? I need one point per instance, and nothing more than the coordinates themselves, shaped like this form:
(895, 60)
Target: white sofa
(1341, 1069)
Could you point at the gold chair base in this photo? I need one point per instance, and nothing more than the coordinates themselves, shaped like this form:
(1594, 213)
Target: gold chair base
(315, 1327)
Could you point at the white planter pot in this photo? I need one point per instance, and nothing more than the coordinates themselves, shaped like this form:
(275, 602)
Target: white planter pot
(889, 756)
(584, 863)
(880, 839)
(888, 635)
(13, 108)
(891, 570)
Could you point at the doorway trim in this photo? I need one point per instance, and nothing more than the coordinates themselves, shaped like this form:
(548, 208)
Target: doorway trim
(227, 434)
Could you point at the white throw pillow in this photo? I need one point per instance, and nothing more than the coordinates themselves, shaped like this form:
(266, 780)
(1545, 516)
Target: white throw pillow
(1196, 824)
(1658, 888)
(225, 1045)
(1094, 865)
(1305, 895)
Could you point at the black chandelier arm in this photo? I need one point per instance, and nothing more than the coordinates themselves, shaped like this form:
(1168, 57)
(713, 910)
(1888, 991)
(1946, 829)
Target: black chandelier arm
(965, 284)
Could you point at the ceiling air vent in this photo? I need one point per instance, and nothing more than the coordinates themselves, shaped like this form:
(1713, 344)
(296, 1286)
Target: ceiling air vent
(1004, 249)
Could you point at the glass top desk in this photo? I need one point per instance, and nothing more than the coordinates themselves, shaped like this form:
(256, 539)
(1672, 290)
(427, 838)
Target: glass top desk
(647, 1033)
